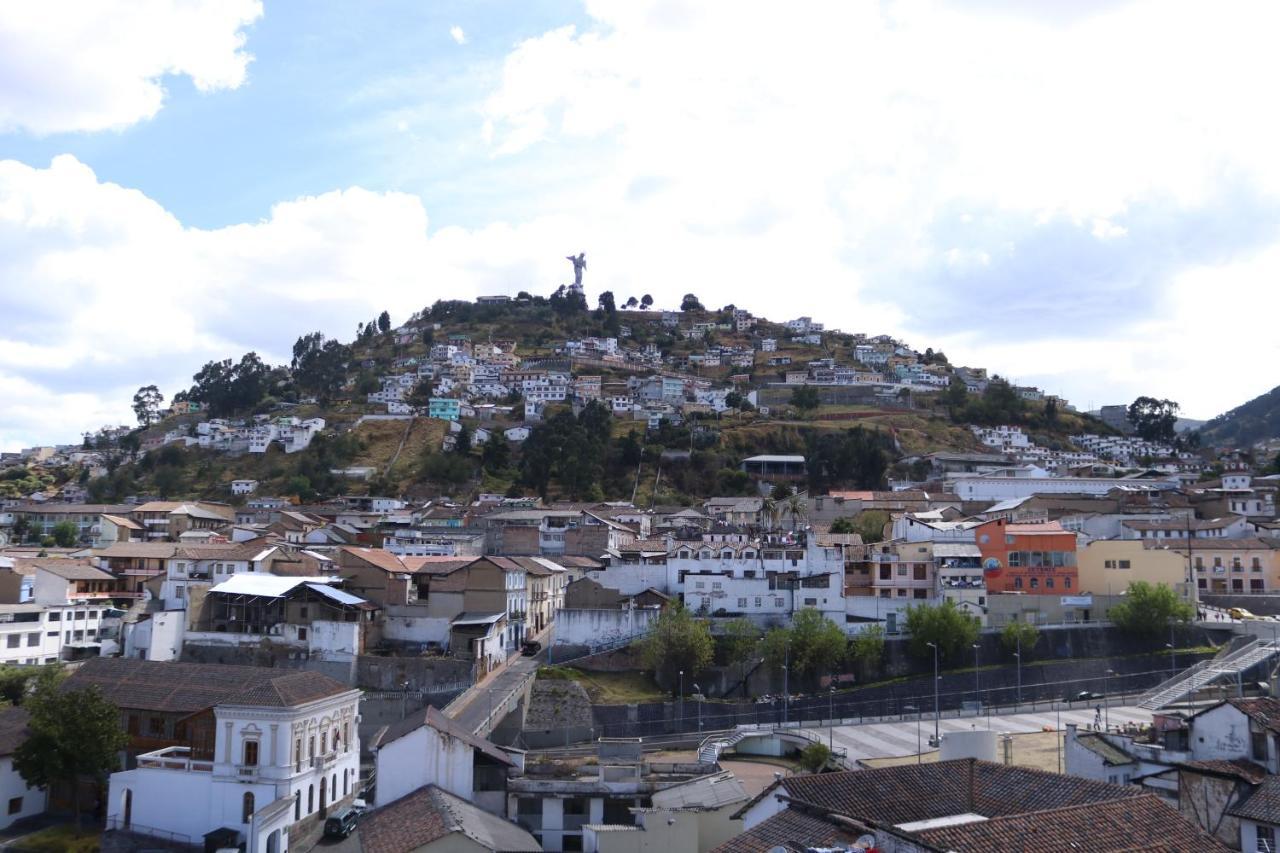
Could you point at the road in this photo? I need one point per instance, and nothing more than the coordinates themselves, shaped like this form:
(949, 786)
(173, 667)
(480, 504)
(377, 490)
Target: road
(471, 708)
(886, 740)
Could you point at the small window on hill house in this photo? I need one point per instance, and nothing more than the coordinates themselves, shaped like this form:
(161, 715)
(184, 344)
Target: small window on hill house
(251, 753)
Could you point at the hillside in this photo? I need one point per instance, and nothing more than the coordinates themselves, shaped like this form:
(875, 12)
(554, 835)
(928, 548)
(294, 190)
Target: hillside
(1247, 424)
(853, 437)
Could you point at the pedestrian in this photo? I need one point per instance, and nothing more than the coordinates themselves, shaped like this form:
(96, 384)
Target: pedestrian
(1097, 717)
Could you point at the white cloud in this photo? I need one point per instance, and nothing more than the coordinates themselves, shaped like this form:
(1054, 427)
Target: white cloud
(75, 66)
(456, 33)
(115, 292)
(847, 159)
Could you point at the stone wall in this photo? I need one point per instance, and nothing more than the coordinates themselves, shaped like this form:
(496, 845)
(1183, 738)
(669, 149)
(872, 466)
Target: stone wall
(368, 672)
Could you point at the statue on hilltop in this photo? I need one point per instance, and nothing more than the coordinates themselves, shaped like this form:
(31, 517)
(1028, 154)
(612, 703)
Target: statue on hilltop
(579, 264)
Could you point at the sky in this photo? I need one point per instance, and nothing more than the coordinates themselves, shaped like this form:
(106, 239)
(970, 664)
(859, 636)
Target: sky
(1083, 196)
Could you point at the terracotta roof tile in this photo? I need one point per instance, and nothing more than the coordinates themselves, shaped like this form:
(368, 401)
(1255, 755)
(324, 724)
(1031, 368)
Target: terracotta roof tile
(186, 688)
(1131, 824)
(792, 830)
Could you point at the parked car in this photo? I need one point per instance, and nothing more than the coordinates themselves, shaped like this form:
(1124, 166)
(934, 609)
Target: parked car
(1082, 696)
(530, 648)
(341, 825)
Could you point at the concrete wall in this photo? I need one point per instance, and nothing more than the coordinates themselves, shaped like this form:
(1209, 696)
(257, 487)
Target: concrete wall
(597, 627)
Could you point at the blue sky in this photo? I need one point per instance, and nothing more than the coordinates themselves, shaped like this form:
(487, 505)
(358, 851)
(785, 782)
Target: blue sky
(1062, 198)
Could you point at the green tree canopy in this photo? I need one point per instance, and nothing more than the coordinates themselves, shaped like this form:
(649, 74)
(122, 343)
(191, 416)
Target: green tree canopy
(65, 534)
(741, 644)
(1154, 419)
(805, 398)
(1149, 609)
(814, 757)
(1020, 637)
(146, 405)
(812, 646)
(866, 650)
(946, 625)
(689, 303)
(75, 734)
(677, 642)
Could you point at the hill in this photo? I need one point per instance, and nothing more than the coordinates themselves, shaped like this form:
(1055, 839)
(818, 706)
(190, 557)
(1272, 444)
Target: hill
(1247, 424)
(853, 435)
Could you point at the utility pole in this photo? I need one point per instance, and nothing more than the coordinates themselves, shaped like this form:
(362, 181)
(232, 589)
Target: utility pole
(1018, 655)
(977, 690)
(936, 714)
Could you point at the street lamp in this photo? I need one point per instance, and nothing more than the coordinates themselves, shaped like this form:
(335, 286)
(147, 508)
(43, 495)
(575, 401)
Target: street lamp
(682, 700)
(977, 690)
(936, 715)
(1173, 660)
(1106, 698)
(697, 694)
(831, 714)
(1018, 655)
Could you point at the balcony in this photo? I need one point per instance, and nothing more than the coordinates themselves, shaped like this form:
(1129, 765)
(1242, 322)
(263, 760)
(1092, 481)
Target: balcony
(323, 762)
(174, 758)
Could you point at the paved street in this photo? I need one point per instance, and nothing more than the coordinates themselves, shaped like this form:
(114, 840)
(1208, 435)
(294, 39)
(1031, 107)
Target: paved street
(885, 740)
(472, 707)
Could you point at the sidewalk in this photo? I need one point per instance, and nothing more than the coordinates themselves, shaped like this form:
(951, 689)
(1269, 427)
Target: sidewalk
(472, 707)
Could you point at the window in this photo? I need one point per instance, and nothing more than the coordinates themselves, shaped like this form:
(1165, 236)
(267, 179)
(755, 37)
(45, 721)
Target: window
(302, 633)
(1124, 564)
(15, 805)
(886, 573)
(1035, 583)
(13, 640)
(902, 571)
(246, 812)
(1258, 744)
(1017, 583)
(757, 601)
(1266, 837)
(303, 612)
(920, 571)
(742, 602)
(251, 753)
(33, 639)
(811, 602)
(55, 617)
(1048, 583)
(778, 601)
(311, 798)
(297, 805)
(155, 725)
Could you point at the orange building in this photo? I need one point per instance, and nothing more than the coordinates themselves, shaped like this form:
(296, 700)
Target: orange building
(1039, 558)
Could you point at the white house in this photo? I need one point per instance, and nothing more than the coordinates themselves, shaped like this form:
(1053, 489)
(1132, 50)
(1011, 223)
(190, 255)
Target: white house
(20, 799)
(265, 748)
(244, 487)
(428, 748)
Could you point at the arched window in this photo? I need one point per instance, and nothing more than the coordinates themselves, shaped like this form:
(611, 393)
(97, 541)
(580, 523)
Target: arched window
(246, 813)
(297, 755)
(726, 554)
(311, 798)
(346, 782)
(324, 792)
(297, 805)
(324, 742)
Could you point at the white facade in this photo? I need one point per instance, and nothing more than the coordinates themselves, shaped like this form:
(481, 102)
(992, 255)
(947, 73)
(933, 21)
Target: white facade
(991, 488)
(33, 634)
(19, 799)
(272, 766)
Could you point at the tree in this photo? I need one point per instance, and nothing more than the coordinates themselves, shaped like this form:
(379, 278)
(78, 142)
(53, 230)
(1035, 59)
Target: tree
(867, 648)
(646, 302)
(1154, 419)
(869, 524)
(796, 508)
(812, 646)
(631, 302)
(815, 756)
(677, 643)
(384, 322)
(741, 645)
(462, 440)
(956, 396)
(1051, 410)
(1149, 609)
(805, 398)
(495, 455)
(691, 303)
(146, 405)
(947, 626)
(74, 734)
(843, 526)
(65, 534)
(319, 366)
(1020, 637)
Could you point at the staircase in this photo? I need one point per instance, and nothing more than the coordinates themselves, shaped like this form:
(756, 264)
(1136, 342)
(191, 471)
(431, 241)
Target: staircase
(710, 749)
(1209, 672)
